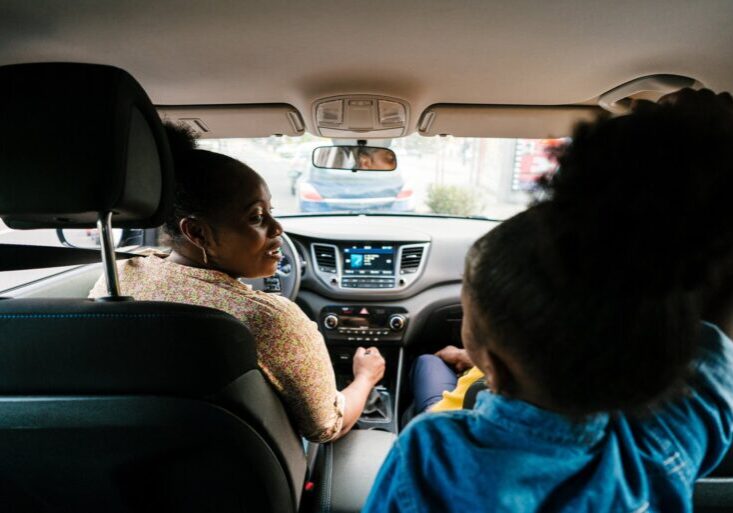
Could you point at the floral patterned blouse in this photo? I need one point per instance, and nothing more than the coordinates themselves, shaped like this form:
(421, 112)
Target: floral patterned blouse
(290, 350)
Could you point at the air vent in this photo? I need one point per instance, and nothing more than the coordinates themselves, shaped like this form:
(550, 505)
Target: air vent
(325, 257)
(410, 260)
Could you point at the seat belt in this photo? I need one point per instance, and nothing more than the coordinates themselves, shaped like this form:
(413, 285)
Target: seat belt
(17, 257)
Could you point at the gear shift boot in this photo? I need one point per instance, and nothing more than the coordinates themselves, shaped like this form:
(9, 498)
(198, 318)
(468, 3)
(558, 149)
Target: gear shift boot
(377, 410)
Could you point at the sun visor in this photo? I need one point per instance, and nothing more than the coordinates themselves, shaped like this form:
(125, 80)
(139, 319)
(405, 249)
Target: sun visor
(221, 121)
(76, 140)
(530, 122)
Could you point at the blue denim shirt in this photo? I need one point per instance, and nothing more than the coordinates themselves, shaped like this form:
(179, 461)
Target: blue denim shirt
(509, 456)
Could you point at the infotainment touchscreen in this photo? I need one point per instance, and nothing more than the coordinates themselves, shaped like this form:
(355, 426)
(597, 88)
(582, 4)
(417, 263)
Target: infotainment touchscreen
(368, 260)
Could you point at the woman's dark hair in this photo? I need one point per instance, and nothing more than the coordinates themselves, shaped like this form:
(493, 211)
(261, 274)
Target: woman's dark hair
(597, 289)
(366, 151)
(207, 183)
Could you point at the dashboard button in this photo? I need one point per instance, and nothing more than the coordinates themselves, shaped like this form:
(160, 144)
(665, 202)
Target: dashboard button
(396, 322)
(331, 321)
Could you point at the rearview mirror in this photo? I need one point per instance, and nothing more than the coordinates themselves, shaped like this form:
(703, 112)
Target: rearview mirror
(355, 158)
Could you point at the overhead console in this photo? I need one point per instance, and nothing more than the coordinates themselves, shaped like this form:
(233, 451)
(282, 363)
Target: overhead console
(368, 265)
(361, 116)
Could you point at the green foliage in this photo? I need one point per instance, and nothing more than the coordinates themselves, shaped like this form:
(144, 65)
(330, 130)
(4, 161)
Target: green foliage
(454, 200)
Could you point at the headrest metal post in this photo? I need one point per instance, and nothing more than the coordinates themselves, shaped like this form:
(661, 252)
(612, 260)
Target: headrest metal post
(104, 225)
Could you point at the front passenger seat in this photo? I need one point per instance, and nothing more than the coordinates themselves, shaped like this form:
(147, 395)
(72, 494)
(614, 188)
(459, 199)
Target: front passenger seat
(118, 405)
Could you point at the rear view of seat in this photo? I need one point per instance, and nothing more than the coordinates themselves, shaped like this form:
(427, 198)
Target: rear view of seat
(120, 405)
(714, 493)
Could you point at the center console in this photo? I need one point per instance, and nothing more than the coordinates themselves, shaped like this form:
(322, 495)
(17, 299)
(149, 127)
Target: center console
(346, 469)
(363, 323)
(346, 327)
(368, 265)
(364, 270)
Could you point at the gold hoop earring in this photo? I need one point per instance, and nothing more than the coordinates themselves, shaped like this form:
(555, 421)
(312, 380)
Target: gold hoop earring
(206, 257)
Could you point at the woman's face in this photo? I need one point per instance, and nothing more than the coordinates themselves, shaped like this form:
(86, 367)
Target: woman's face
(246, 240)
(382, 160)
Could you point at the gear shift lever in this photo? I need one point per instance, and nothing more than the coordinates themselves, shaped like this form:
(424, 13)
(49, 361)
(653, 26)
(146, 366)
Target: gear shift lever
(376, 407)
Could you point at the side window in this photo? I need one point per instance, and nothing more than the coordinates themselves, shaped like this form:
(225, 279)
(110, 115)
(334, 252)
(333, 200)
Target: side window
(88, 238)
(10, 279)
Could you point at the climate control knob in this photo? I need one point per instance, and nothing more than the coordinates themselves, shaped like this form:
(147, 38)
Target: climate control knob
(330, 321)
(396, 322)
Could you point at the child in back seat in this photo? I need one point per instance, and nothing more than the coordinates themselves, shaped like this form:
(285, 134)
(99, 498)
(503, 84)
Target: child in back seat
(607, 392)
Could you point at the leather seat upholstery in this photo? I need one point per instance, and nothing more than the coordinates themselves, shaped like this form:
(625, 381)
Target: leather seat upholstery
(714, 493)
(79, 139)
(120, 405)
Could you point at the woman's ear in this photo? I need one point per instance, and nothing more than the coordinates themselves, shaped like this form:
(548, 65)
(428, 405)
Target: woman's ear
(196, 231)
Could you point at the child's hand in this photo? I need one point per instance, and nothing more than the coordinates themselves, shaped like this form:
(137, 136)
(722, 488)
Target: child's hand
(455, 357)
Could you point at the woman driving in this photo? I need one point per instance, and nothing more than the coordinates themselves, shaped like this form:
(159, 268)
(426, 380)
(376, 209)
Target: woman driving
(221, 228)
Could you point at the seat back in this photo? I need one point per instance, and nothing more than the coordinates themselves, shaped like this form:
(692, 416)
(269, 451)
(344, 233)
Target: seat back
(114, 404)
(139, 406)
(714, 493)
(469, 399)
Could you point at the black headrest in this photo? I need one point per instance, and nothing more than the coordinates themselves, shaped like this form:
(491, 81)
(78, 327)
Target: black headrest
(78, 139)
(83, 346)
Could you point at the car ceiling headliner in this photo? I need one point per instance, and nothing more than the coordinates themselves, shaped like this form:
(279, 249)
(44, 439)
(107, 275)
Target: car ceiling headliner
(518, 52)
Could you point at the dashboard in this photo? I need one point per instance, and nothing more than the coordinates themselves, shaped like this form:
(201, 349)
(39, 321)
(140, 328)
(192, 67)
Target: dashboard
(393, 282)
(381, 279)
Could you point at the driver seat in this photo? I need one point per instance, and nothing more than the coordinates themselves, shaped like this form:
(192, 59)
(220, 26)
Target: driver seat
(114, 404)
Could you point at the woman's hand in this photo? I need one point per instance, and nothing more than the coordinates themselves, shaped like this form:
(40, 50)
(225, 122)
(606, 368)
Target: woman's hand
(368, 370)
(368, 365)
(455, 357)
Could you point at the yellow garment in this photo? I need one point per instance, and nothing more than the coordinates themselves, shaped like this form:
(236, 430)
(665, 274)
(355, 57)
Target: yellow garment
(453, 399)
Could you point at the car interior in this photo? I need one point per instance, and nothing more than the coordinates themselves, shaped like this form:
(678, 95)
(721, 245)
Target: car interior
(123, 405)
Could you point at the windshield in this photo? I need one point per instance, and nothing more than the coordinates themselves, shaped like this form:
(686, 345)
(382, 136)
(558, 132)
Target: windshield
(435, 175)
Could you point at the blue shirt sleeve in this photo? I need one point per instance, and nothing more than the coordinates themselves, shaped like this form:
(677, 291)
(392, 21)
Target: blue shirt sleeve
(699, 425)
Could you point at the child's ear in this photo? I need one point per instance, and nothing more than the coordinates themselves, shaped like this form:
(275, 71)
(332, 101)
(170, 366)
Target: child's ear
(498, 377)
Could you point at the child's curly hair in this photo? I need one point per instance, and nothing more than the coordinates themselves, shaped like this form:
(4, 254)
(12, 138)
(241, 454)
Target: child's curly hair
(597, 288)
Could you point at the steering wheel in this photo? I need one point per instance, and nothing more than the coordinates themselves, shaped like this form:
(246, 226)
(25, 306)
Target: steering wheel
(286, 281)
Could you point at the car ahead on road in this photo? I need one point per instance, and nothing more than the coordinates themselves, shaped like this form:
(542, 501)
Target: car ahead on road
(334, 190)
